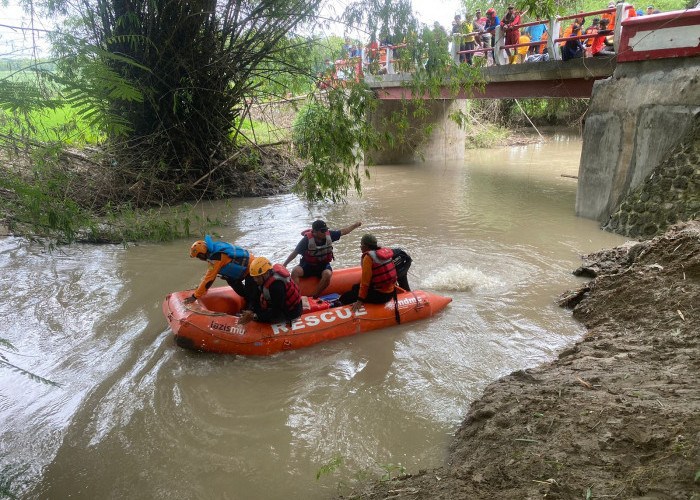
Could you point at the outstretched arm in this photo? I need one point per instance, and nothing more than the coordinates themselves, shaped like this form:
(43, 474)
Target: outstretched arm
(291, 257)
(350, 228)
(213, 269)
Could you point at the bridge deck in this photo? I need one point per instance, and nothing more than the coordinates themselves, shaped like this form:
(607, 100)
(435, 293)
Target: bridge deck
(572, 78)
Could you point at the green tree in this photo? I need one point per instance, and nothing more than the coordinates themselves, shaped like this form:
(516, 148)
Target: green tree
(194, 63)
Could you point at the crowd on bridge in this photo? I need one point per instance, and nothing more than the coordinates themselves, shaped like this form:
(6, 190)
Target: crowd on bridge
(526, 40)
(478, 39)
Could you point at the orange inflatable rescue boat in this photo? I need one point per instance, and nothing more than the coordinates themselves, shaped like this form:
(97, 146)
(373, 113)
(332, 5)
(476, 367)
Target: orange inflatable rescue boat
(210, 324)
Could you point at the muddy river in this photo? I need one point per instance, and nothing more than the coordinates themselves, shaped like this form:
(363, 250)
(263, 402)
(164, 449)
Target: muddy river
(135, 416)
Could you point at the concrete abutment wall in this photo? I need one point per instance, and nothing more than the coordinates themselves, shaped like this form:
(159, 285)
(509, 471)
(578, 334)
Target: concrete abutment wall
(669, 195)
(636, 119)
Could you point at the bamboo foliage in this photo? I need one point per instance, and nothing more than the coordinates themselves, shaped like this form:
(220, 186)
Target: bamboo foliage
(177, 74)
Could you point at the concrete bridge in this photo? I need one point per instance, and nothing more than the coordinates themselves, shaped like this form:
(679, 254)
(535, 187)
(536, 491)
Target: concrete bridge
(642, 102)
(516, 81)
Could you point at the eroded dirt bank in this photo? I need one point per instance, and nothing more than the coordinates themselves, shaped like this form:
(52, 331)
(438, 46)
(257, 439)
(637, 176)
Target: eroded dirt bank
(617, 415)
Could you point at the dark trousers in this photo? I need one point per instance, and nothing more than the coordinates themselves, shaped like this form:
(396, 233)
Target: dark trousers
(248, 289)
(286, 316)
(468, 58)
(373, 296)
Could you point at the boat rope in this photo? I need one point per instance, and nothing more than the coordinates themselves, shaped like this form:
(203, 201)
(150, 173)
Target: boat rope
(204, 312)
(396, 308)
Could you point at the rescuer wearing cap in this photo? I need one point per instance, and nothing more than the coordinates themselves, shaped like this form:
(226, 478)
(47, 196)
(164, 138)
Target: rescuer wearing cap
(316, 250)
(225, 260)
(280, 299)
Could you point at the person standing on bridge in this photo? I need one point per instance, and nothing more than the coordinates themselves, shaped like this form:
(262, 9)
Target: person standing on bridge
(510, 23)
(316, 250)
(489, 34)
(479, 23)
(610, 16)
(535, 32)
(468, 39)
(456, 36)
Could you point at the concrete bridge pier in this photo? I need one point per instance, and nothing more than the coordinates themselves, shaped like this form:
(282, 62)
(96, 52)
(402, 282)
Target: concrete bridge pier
(634, 120)
(443, 140)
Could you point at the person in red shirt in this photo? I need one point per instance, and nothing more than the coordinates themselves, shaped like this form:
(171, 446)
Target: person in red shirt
(509, 23)
(599, 47)
(592, 30)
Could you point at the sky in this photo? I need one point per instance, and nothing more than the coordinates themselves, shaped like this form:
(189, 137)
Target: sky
(442, 11)
(15, 42)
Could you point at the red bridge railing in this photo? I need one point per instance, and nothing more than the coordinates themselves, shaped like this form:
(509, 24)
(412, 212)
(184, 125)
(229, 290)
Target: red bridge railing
(381, 59)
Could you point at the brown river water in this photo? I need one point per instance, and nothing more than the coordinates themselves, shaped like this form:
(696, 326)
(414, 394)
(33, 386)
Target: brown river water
(138, 417)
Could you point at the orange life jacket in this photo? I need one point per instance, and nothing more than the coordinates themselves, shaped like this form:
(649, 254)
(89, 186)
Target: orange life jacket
(611, 17)
(591, 30)
(541, 47)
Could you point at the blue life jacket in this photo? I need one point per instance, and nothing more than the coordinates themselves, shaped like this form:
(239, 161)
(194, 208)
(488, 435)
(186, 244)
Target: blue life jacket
(238, 267)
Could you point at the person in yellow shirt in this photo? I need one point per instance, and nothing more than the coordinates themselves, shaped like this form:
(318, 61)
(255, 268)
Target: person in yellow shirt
(468, 39)
(522, 51)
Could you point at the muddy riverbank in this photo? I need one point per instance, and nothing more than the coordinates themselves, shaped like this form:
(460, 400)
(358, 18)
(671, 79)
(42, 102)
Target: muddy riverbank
(617, 415)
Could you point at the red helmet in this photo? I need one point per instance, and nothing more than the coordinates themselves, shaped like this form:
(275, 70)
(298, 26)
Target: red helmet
(197, 248)
(491, 11)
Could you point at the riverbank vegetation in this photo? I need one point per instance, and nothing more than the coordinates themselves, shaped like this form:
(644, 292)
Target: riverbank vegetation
(493, 123)
(146, 106)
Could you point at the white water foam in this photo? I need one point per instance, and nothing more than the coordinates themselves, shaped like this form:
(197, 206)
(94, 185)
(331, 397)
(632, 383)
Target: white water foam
(460, 279)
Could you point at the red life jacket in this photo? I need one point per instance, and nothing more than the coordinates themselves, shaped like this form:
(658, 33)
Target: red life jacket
(292, 295)
(316, 254)
(383, 268)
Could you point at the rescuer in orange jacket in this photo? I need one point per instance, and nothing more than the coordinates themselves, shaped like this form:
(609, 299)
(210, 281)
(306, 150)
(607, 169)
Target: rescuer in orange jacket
(227, 261)
(378, 282)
